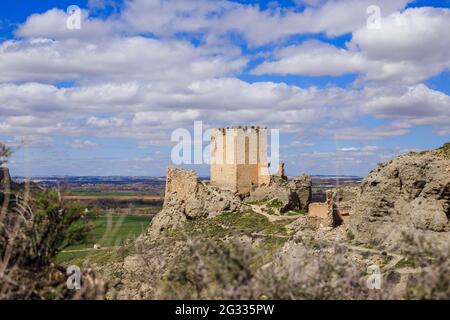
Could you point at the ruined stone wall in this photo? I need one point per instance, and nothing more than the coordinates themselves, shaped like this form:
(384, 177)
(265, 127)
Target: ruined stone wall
(344, 199)
(180, 184)
(337, 209)
(318, 210)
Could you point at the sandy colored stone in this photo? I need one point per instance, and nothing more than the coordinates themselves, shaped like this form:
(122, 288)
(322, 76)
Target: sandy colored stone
(318, 210)
(239, 158)
(408, 194)
(188, 198)
(293, 195)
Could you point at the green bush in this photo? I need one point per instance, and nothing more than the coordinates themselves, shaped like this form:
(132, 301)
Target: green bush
(445, 149)
(55, 225)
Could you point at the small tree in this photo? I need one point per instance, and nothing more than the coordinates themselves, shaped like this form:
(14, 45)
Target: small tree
(55, 226)
(30, 238)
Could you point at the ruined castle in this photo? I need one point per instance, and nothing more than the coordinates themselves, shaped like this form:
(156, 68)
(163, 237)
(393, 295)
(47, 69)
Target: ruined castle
(239, 158)
(240, 180)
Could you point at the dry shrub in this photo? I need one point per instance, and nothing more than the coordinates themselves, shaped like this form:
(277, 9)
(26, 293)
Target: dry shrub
(208, 269)
(31, 235)
(431, 262)
(217, 270)
(303, 273)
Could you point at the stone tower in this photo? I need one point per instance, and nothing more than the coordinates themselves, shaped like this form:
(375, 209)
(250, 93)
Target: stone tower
(239, 158)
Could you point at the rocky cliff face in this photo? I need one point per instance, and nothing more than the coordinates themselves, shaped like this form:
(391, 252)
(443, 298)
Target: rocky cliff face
(410, 194)
(293, 194)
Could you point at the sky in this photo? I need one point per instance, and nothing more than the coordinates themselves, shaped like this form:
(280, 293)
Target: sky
(348, 83)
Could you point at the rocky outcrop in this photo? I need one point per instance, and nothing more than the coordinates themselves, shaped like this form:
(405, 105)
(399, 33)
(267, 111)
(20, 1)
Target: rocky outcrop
(408, 194)
(186, 198)
(302, 186)
(293, 194)
(280, 172)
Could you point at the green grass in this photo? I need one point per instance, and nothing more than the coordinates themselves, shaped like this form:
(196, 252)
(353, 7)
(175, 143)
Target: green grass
(113, 230)
(407, 263)
(271, 203)
(258, 202)
(296, 212)
(275, 203)
(223, 230)
(250, 222)
(445, 149)
(69, 256)
(108, 231)
(229, 223)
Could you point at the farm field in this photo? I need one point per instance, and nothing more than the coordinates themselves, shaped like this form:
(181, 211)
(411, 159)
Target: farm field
(73, 194)
(109, 231)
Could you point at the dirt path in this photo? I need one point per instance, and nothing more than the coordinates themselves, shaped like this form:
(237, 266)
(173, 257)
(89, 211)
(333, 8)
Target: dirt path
(265, 235)
(396, 257)
(272, 218)
(90, 249)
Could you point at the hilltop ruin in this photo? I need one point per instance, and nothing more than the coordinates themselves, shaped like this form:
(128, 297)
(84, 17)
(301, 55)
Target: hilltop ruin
(239, 178)
(414, 187)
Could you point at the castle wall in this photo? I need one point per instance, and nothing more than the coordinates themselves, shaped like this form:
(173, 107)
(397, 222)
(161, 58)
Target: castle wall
(263, 174)
(239, 158)
(337, 209)
(247, 177)
(224, 175)
(318, 210)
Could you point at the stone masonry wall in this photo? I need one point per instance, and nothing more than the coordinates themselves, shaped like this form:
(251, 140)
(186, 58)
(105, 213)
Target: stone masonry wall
(239, 158)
